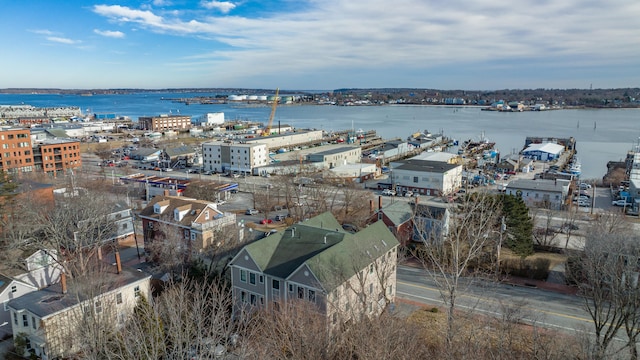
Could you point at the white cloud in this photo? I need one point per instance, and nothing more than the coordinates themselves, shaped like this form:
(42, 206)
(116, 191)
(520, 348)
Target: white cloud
(63, 40)
(223, 6)
(416, 34)
(109, 33)
(42, 32)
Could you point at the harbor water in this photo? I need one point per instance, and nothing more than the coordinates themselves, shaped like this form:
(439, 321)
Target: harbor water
(601, 135)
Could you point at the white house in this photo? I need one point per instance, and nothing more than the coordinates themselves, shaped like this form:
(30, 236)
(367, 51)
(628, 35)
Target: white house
(10, 289)
(49, 320)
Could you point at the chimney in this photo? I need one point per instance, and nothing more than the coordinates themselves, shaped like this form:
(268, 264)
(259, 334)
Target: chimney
(166, 193)
(371, 207)
(118, 263)
(63, 282)
(379, 202)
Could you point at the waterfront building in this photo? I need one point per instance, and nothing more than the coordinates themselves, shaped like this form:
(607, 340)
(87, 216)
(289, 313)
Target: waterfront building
(424, 177)
(328, 159)
(543, 152)
(287, 140)
(243, 157)
(164, 122)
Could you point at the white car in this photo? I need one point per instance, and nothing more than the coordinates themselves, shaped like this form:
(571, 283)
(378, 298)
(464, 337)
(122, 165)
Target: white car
(621, 202)
(388, 192)
(408, 194)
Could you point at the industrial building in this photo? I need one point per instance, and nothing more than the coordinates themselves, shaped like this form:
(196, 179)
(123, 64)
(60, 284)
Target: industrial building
(222, 156)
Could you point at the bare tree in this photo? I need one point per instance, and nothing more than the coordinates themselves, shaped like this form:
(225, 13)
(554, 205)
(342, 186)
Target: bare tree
(603, 273)
(457, 254)
(168, 248)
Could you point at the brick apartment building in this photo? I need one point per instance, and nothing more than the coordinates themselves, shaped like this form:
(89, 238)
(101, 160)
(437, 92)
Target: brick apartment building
(165, 122)
(56, 156)
(16, 155)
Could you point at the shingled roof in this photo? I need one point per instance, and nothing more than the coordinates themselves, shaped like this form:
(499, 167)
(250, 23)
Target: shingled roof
(192, 208)
(323, 246)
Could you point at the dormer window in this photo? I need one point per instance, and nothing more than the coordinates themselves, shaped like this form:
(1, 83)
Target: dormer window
(206, 215)
(157, 209)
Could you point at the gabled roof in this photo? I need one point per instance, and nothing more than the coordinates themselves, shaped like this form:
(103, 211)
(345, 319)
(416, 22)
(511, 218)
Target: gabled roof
(51, 300)
(399, 212)
(321, 244)
(550, 148)
(181, 150)
(193, 207)
(142, 152)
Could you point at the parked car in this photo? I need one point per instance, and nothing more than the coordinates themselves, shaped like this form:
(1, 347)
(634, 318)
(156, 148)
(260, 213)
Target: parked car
(251, 212)
(621, 202)
(388, 192)
(280, 217)
(585, 186)
(583, 203)
(408, 194)
(510, 172)
(266, 221)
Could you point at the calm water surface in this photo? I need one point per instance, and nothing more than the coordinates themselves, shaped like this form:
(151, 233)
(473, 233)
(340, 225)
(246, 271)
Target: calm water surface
(601, 135)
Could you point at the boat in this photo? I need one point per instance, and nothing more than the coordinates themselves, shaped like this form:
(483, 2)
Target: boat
(575, 168)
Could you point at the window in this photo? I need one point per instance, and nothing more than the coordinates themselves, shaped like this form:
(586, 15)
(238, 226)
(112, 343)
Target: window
(371, 288)
(261, 279)
(390, 289)
(290, 287)
(193, 236)
(98, 307)
(5, 305)
(253, 299)
(25, 320)
(34, 324)
(276, 284)
(243, 275)
(119, 298)
(415, 179)
(312, 295)
(136, 291)
(252, 278)
(300, 292)
(243, 296)
(371, 269)
(15, 319)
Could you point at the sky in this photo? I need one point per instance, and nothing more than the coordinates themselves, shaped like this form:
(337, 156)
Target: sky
(320, 44)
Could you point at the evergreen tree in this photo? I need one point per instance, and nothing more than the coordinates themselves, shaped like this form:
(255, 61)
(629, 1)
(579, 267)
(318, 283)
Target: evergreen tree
(519, 232)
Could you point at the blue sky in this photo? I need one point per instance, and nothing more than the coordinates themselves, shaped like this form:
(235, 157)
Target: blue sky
(314, 44)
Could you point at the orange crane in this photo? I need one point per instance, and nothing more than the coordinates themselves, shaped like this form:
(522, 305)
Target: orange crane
(267, 130)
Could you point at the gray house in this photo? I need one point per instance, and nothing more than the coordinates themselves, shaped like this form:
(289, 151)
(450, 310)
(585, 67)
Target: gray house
(345, 275)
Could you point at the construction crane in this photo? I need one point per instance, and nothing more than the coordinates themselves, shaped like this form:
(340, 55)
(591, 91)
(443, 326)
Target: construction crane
(267, 130)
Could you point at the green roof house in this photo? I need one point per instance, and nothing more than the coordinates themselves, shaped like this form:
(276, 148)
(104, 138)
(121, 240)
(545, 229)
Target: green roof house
(343, 274)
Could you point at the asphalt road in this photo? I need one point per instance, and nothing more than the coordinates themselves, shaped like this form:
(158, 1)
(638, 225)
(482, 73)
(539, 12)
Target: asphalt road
(537, 307)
